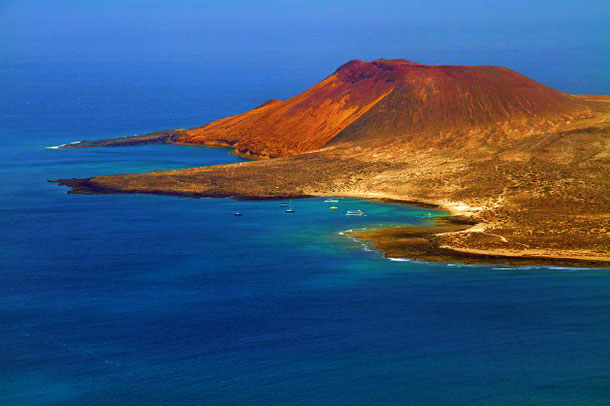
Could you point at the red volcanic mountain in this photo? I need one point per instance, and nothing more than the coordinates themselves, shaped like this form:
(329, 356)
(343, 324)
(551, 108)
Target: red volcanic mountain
(392, 99)
(388, 101)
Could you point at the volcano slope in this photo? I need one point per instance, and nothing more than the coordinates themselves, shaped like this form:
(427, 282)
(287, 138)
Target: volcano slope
(526, 168)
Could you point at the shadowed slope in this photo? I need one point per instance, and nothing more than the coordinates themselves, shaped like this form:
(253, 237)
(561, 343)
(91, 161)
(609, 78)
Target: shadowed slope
(437, 104)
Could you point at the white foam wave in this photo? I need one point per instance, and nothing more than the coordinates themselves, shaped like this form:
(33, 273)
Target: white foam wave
(543, 268)
(63, 145)
(567, 268)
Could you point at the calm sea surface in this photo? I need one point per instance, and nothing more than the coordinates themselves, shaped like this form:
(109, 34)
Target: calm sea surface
(140, 300)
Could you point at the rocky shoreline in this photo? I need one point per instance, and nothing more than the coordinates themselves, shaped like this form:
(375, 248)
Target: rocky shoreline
(416, 242)
(423, 243)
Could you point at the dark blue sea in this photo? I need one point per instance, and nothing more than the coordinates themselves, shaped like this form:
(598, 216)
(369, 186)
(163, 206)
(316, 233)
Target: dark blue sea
(144, 300)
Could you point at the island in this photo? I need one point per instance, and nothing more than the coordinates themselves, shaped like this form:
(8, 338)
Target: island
(523, 169)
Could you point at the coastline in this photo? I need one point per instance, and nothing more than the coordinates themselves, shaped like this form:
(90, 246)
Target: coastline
(416, 242)
(422, 243)
(461, 218)
(169, 137)
(458, 220)
(540, 199)
(532, 183)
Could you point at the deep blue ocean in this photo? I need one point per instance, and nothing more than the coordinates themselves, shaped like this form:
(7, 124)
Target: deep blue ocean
(143, 300)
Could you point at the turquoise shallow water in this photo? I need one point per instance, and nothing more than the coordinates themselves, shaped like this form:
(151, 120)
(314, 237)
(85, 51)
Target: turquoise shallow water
(138, 300)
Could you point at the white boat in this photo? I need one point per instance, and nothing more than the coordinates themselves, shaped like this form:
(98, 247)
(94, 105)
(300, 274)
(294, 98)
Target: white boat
(331, 201)
(354, 213)
(238, 213)
(289, 209)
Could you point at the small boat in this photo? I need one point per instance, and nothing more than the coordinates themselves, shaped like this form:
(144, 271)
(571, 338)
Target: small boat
(354, 213)
(289, 210)
(333, 207)
(331, 201)
(238, 213)
(283, 204)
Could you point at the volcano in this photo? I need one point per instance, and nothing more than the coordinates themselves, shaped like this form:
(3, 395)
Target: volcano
(388, 101)
(526, 167)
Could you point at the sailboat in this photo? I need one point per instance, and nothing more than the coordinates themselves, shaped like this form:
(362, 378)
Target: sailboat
(289, 210)
(283, 204)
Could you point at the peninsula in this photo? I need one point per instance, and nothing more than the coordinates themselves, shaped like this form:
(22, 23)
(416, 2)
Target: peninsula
(524, 169)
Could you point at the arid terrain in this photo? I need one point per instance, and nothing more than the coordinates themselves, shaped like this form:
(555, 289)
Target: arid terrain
(525, 167)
